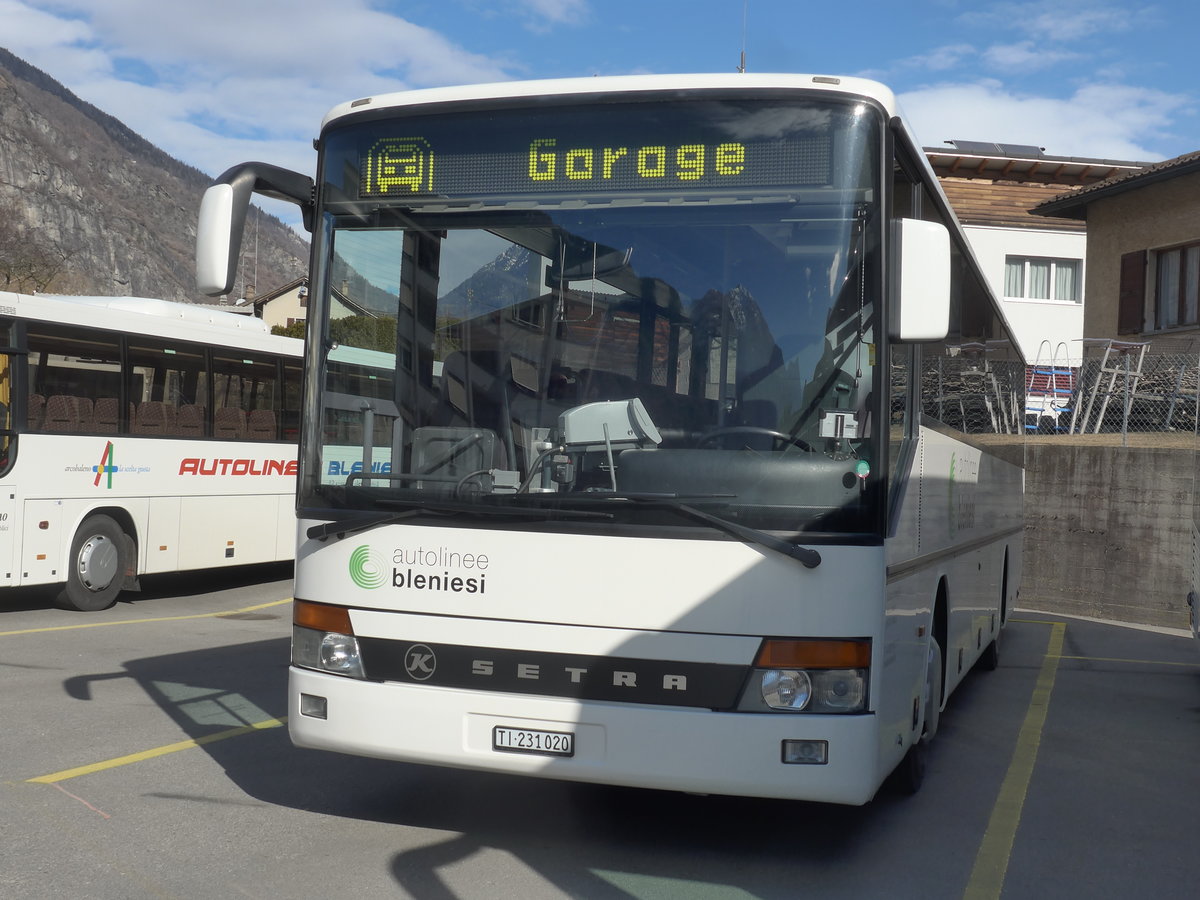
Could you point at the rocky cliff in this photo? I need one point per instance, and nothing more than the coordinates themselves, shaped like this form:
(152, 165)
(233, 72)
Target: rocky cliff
(117, 213)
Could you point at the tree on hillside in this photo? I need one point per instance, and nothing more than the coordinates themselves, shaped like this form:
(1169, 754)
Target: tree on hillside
(27, 264)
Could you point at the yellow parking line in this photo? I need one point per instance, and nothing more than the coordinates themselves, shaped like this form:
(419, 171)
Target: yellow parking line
(991, 862)
(66, 774)
(207, 615)
(1135, 662)
(1039, 621)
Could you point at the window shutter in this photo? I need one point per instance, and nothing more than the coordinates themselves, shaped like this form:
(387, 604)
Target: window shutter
(1132, 300)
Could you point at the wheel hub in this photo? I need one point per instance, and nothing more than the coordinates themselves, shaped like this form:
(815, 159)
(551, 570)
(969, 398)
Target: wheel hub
(97, 563)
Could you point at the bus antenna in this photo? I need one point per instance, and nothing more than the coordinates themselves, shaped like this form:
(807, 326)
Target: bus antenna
(742, 63)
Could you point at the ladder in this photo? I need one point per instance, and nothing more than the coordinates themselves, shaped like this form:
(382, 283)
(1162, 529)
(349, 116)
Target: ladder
(1120, 370)
(1049, 388)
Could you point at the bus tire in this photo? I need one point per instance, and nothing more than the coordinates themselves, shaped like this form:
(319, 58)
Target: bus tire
(989, 661)
(910, 774)
(97, 566)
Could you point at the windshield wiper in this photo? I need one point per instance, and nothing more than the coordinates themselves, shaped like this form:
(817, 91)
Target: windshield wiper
(344, 527)
(808, 557)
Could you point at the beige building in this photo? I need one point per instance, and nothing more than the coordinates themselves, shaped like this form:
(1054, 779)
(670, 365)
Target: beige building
(1143, 252)
(287, 305)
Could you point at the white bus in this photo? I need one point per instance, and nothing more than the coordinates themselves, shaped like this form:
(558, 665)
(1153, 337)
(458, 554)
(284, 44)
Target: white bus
(139, 436)
(666, 503)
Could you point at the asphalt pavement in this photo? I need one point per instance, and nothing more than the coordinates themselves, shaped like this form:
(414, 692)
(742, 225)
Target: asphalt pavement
(144, 753)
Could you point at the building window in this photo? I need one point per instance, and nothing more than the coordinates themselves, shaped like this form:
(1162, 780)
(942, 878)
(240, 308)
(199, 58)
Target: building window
(1177, 287)
(532, 314)
(1043, 278)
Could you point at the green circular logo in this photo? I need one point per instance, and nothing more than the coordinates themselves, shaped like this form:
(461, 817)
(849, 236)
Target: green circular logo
(366, 568)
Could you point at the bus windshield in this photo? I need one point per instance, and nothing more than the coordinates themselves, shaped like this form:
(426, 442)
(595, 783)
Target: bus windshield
(607, 308)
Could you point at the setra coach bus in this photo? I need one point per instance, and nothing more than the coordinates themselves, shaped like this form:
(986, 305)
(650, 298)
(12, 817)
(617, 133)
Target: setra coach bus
(680, 480)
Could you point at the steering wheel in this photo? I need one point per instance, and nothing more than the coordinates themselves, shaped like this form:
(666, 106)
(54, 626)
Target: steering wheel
(717, 434)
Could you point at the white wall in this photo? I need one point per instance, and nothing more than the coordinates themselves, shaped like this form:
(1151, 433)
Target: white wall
(1034, 321)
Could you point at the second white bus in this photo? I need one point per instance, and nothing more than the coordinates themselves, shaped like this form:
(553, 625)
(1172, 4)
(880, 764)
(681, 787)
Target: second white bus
(138, 437)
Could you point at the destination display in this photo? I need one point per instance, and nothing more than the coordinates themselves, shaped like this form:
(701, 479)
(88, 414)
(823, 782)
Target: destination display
(597, 150)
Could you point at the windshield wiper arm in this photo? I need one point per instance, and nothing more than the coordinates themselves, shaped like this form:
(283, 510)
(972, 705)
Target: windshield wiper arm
(808, 557)
(344, 527)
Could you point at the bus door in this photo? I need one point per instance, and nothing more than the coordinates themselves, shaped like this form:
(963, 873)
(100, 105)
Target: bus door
(8, 504)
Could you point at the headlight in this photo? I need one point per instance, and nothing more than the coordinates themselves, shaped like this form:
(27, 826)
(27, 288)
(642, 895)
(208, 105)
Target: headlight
(814, 690)
(839, 690)
(786, 688)
(812, 675)
(327, 651)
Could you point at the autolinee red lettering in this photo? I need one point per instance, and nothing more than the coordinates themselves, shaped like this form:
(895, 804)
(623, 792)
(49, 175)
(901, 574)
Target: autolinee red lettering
(201, 466)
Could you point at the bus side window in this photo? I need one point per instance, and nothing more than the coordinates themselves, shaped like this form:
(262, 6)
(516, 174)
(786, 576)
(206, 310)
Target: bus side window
(5, 398)
(71, 369)
(165, 389)
(247, 396)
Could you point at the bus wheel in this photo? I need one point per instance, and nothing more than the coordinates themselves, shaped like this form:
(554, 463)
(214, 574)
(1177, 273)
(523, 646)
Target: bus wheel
(910, 774)
(990, 659)
(97, 566)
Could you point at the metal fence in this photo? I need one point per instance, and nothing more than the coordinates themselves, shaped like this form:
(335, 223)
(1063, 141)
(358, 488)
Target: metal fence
(1119, 389)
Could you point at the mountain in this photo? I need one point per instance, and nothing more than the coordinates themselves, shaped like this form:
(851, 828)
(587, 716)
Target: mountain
(114, 214)
(501, 283)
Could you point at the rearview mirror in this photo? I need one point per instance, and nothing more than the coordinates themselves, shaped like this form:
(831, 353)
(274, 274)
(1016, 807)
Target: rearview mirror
(223, 216)
(920, 307)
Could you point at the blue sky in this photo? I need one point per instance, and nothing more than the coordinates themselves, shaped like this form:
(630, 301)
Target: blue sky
(223, 81)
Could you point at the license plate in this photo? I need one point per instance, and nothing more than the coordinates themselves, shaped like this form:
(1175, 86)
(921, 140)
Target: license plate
(529, 740)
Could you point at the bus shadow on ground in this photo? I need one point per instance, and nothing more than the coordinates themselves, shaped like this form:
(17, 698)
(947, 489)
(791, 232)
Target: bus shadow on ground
(153, 587)
(589, 841)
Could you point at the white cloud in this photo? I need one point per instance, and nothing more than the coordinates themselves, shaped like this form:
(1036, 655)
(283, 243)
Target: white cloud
(941, 58)
(36, 28)
(251, 68)
(1098, 120)
(1058, 20)
(1075, 21)
(1025, 56)
(560, 12)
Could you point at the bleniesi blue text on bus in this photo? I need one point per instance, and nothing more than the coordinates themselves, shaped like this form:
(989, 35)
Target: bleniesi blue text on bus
(340, 467)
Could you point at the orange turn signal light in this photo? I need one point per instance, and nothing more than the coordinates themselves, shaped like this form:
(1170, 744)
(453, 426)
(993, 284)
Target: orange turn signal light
(814, 653)
(321, 617)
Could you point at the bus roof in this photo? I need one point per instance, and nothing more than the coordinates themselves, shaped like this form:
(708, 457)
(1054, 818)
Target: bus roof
(861, 87)
(149, 315)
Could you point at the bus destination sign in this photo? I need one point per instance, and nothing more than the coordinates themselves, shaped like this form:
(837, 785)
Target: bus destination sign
(446, 163)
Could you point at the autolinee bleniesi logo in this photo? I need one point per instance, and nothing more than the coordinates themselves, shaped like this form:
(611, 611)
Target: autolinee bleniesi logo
(366, 568)
(106, 466)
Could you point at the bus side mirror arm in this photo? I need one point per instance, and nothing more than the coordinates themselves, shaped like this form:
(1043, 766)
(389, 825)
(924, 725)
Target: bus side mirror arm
(223, 216)
(920, 307)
